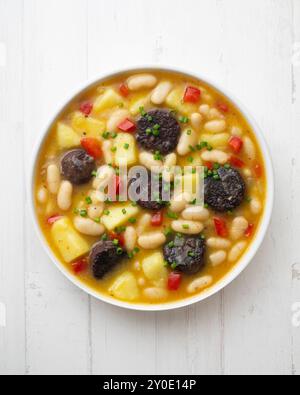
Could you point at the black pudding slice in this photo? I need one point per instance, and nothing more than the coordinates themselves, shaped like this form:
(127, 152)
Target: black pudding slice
(186, 253)
(227, 193)
(152, 199)
(158, 130)
(104, 257)
(77, 166)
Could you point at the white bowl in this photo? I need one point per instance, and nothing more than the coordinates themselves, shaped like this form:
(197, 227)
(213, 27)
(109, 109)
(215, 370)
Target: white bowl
(246, 258)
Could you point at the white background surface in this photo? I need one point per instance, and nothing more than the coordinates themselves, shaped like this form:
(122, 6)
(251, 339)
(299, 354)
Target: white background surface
(48, 48)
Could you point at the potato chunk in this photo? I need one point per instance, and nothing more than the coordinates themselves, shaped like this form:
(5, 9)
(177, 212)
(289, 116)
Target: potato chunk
(107, 100)
(126, 152)
(66, 137)
(91, 126)
(175, 101)
(154, 269)
(68, 241)
(118, 215)
(125, 287)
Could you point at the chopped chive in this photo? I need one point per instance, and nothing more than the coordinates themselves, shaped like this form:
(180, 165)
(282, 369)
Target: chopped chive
(114, 149)
(97, 220)
(116, 242)
(106, 212)
(132, 220)
(94, 173)
(191, 254)
(119, 251)
(171, 244)
(174, 265)
(126, 146)
(172, 215)
(168, 232)
(83, 213)
(185, 226)
(142, 111)
(88, 200)
(106, 135)
(124, 211)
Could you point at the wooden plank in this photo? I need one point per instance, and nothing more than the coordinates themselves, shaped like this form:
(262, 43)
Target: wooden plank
(12, 330)
(295, 210)
(57, 313)
(257, 58)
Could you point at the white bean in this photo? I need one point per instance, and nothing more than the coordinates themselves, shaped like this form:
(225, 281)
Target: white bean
(151, 241)
(188, 139)
(236, 131)
(215, 156)
(170, 160)
(215, 114)
(187, 227)
(130, 237)
(217, 126)
(95, 210)
(104, 176)
(199, 283)
(179, 202)
(255, 206)
(218, 257)
(237, 251)
(204, 109)
(97, 197)
(249, 148)
(238, 227)
(196, 120)
(64, 196)
(53, 179)
(155, 293)
(42, 195)
(107, 152)
(161, 92)
(195, 213)
(143, 223)
(88, 227)
(116, 118)
(218, 243)
(147, 159)
(141, 81)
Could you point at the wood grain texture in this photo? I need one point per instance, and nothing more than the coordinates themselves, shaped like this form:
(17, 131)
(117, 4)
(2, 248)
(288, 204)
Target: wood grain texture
(49, 48)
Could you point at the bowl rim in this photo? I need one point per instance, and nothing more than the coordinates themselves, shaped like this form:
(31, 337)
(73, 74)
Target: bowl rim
(248, 255)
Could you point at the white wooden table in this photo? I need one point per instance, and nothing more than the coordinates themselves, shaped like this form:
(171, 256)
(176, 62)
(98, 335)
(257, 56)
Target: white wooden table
(47, 48)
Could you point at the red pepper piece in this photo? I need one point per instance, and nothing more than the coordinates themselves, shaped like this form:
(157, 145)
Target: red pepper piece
(86, 108)
(157, 219)
(236, 162)
(123, 89)
(236, 144)
(249, 231)
(51, 220)
(221, 227)
(92, 147)
(174, 281)
(127, 126)
(79, 266)
(192, 95)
